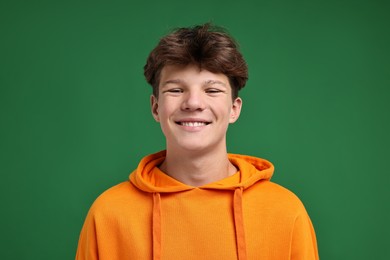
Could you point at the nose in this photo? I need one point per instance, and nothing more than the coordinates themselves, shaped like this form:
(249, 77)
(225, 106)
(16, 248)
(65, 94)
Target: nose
(193, 101)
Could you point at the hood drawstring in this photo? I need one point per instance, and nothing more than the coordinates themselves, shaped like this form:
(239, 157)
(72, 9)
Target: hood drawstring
(239, 223)
(156, 226)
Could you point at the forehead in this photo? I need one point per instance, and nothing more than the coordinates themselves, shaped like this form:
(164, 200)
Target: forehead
(190, 74)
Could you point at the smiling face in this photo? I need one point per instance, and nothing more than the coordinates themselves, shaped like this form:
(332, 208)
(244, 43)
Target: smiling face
(194, 108)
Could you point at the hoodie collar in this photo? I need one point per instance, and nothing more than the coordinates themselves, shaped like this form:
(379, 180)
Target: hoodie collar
(149, 178)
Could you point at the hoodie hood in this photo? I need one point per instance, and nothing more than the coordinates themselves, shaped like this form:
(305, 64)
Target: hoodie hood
(149, 178)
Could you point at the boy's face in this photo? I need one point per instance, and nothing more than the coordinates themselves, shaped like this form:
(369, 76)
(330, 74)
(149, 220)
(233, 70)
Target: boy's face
(194, 108)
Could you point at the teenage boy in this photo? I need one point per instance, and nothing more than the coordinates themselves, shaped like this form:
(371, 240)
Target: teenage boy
(194, 200)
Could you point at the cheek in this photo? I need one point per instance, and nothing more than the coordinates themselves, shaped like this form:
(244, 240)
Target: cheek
(166, 107)
(225, 116)
(164, 113)
(164, 127)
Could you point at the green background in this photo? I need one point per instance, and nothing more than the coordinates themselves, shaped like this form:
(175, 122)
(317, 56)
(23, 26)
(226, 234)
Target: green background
(75, 118)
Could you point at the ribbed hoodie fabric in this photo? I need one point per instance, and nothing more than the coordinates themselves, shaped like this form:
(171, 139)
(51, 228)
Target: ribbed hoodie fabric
(154, 216)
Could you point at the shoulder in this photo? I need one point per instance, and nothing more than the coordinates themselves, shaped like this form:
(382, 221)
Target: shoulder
(121, 197)
(275, 196)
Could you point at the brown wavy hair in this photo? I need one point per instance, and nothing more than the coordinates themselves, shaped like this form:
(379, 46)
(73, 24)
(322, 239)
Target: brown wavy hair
(209, 47)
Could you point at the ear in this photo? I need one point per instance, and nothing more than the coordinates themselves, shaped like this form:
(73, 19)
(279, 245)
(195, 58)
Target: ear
(154, 107)
(236, 110)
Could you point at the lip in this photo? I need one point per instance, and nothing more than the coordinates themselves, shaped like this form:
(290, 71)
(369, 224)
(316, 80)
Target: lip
(189, 120)
(192, 120)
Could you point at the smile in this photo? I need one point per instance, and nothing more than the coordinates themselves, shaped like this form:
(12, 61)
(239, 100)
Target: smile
(193, 124)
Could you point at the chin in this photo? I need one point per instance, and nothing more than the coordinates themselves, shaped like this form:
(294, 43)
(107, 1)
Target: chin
(193, 148)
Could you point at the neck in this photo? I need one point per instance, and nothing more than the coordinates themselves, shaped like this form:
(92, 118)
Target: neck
(197, 169)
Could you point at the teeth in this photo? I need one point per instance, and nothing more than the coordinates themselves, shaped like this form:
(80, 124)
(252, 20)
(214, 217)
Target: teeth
(193, 124)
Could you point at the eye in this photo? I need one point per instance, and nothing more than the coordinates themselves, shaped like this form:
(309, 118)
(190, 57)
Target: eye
(174, 90)
(213, 91)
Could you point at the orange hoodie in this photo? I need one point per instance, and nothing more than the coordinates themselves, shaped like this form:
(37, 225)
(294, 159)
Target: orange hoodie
(154, 216)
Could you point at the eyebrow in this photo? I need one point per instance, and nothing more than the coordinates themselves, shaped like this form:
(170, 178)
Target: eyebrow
(207, 82)
(174, 81)
(212, 82)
